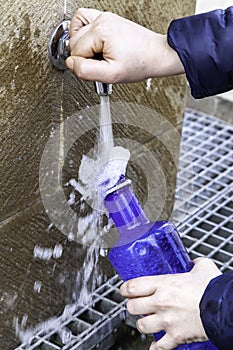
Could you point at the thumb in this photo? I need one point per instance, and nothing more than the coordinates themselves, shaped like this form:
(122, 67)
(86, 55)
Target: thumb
(92, 69)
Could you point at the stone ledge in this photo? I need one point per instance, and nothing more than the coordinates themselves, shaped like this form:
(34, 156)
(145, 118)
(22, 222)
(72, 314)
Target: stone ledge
(220, 106)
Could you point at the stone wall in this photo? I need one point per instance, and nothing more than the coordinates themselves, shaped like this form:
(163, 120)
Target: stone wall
(34, 100)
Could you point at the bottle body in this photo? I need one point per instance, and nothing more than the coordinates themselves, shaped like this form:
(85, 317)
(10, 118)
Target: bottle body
(158, 251)
(145, 248)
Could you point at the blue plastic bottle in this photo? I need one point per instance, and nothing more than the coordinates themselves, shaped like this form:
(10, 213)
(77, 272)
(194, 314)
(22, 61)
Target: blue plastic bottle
(146, 248)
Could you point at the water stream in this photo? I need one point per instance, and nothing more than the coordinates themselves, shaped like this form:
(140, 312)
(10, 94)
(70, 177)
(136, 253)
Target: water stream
(105, 142)
(98, 174)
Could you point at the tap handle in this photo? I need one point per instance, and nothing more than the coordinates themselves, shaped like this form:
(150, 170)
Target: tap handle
(59, 51)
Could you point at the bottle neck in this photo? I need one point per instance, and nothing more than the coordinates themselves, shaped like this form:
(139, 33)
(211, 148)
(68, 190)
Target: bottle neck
(125, 210)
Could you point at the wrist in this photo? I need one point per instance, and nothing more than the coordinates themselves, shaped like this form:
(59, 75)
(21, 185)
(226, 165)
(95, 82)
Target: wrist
(164, 59)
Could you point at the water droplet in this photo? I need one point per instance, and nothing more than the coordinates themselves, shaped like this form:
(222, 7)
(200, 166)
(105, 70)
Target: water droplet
(57, 251)
(37, 286)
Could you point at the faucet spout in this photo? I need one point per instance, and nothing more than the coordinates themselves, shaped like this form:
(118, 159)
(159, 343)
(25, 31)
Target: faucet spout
(59, 51)
(103, 89)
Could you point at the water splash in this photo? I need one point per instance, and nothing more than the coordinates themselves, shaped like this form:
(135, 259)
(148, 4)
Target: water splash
(37, 286)
(148, 84)
(46, 254)
(96, 175)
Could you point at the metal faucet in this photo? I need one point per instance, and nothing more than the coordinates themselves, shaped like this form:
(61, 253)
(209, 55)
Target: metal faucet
(59, 51)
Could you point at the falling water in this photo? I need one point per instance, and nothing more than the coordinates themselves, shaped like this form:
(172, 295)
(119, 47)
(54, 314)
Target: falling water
(105, 142)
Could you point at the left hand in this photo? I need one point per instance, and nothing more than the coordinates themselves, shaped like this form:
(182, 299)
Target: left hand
(130, 51)
(171, 303)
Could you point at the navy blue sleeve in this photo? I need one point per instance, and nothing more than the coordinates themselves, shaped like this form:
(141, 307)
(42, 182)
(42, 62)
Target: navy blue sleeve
(216, 309)
(204, 43)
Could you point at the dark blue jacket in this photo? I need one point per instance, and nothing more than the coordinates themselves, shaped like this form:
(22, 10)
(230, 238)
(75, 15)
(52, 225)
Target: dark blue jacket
(204, 44)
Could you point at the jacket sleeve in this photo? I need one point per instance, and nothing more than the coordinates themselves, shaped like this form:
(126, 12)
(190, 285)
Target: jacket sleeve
(216, 308)
(204, 43)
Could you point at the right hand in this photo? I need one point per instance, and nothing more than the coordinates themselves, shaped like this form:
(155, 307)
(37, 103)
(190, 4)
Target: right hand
(171, 303)
(130, 52)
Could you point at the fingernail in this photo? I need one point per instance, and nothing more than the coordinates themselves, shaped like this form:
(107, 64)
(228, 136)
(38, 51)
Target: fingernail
(131, 287)
(127, 288)
(70, 62)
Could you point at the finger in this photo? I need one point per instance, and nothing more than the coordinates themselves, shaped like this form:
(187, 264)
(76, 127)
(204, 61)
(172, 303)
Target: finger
(149, 324)
(76, 24)
(86, 43)
(92, 69)
(142, 286)
(141, 306)
(196, 260)
(88, 14)
(79, 41)
(166, 343)
(82, 17)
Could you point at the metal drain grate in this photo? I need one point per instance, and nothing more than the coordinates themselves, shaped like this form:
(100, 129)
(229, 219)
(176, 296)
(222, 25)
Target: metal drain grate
(90, 327)
(209, 232)
(205, 163)
(204, 215)
(204, 188)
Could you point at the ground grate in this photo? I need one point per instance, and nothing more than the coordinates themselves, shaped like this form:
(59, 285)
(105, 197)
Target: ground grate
(205, 163)
(203, 210)
(209, 232)
(204, 215)
(86, 327)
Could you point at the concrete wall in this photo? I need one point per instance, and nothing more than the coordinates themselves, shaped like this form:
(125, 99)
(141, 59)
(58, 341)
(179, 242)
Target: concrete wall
(34, 99)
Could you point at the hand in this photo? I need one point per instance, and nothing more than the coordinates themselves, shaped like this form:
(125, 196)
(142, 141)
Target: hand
(130, 52)
(171, 303)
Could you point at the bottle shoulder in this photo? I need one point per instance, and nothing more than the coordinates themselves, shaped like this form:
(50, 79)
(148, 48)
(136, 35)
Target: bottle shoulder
(156, 229)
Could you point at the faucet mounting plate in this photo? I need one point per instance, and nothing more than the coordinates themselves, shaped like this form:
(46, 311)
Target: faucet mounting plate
(59, 51)
(58, 48)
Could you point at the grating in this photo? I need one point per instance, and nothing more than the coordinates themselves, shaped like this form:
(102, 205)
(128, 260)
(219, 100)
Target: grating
(89, 327)
(203, 210)
(205, 163)
(203, 213)
(209, 232)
